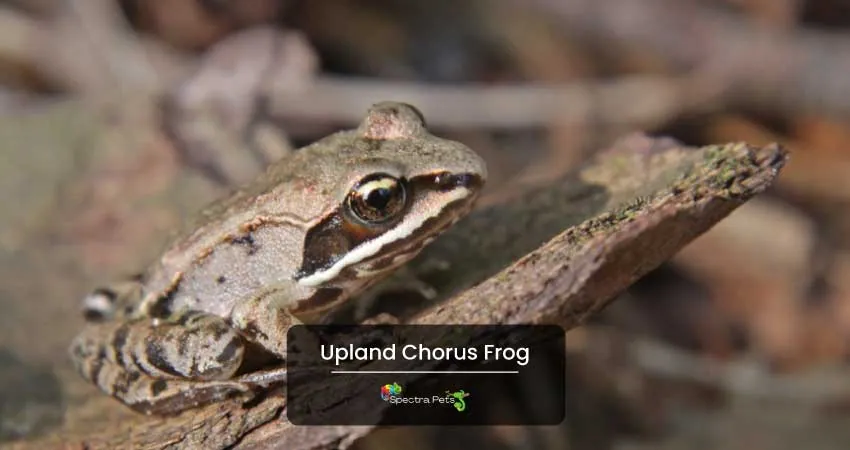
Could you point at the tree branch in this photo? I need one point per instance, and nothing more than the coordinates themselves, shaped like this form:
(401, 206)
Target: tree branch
(622, 233)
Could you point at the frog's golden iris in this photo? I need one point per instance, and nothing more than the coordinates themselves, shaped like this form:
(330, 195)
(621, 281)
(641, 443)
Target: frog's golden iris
(378, 198)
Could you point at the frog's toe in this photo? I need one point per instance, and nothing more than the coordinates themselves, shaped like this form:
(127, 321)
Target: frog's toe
(167, 397)
(150, 395)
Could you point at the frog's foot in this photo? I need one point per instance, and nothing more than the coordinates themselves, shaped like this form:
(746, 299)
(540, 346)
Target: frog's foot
(149, 395)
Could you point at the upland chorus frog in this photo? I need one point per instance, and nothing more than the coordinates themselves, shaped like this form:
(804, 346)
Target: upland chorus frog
(316, 229)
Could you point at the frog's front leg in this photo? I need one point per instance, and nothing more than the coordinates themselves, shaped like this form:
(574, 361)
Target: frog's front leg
(162, 366)
(265, 319)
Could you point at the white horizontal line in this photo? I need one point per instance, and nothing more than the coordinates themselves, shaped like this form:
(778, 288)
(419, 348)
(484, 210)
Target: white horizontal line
(425, 371)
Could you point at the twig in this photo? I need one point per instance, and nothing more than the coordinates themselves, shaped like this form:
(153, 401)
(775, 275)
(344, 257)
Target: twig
(641, 102)
(791, 70)
(744, 377)
(17, 33)
(632, 102)
(87, 48)
(121, 60)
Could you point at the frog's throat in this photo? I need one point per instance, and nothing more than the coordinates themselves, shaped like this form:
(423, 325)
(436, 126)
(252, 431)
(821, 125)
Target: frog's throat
(372, 247)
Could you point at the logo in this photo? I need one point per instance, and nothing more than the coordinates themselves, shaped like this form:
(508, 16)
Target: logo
(390, 390)
(459, 404)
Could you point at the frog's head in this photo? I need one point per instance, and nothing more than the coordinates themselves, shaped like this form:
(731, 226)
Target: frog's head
(397, 188)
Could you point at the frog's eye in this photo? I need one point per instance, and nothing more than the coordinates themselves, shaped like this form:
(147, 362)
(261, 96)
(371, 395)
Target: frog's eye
(377, 198)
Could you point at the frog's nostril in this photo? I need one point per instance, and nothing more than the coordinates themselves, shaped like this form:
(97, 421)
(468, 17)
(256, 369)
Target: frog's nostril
(447, 181)
(465, 180)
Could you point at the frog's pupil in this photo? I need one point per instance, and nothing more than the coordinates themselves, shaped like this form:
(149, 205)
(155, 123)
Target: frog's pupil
(379, 198)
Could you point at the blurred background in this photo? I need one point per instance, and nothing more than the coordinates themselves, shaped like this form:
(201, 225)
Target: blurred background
(742, 340)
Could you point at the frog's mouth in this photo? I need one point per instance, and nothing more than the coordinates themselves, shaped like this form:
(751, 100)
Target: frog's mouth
(399, 252)
(336, 257)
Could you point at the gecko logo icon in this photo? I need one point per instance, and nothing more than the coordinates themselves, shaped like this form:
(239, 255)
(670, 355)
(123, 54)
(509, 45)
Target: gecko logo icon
(459, 403)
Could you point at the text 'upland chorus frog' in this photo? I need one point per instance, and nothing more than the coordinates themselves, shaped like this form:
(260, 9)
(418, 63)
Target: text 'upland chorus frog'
(317, 228)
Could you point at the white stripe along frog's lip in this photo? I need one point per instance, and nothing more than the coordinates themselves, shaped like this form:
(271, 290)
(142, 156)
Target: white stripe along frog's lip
(371, 248)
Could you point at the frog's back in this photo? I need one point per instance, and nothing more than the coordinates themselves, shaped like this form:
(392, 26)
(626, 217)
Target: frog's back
(257, 234)
(293, 192)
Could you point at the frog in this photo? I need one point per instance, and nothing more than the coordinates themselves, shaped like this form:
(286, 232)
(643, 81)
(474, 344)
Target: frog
(315, 230)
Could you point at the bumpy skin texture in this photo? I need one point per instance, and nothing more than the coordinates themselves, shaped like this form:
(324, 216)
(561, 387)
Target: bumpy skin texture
(283, 249)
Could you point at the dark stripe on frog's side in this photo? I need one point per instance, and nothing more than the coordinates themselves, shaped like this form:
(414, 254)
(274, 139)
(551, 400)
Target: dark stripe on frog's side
(324, 244)
(332, 238)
